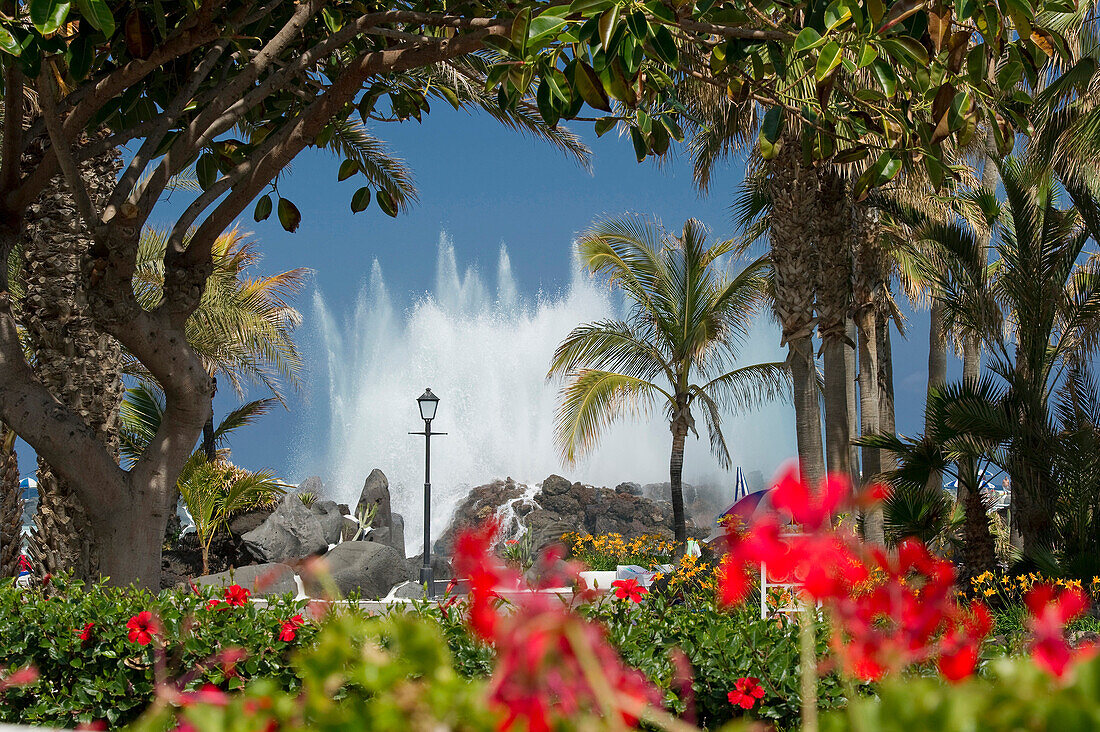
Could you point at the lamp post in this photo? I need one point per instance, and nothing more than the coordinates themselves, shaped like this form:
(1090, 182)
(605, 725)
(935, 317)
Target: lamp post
(427, 403)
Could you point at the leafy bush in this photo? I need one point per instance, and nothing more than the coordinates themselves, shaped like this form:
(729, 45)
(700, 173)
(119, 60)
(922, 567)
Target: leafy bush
(96, 672)
(370, 673)
(720, 646)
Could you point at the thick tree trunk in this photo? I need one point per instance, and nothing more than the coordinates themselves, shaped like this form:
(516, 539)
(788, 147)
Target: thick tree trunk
(79, 363)
(676, 483)
(873, 527)
(11, 507)
(885, 383)
(794, 194)
(837, 423)
(208, 446)
(850, 389)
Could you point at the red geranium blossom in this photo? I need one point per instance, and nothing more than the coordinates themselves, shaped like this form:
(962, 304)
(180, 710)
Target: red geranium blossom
(629, 589)
(289, 629)
(85, 632)
(216, 604)
(746, 691)
(236, 595)
(1050, 613)
(143, 627)
(539, 678)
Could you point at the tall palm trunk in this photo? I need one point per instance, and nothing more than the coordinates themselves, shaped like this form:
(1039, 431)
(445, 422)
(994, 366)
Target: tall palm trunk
(937, 368)
(75, 360)
(675, 477)
(866, 289)
(850, 367)
(11, 506)
(834, 289)
(794, 193)
(886, 421)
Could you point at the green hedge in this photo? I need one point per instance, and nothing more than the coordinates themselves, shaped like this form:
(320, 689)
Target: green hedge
(108, 676)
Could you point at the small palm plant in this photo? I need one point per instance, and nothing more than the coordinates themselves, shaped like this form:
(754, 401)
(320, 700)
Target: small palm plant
(678, 346)
(216, 491)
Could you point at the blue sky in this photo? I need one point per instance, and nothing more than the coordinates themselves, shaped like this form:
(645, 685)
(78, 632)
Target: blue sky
(484, 185)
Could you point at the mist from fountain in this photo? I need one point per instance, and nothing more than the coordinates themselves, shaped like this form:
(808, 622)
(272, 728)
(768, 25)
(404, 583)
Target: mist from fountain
(485, 352)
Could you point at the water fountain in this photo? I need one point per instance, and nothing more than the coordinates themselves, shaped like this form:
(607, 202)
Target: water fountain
(485, 352)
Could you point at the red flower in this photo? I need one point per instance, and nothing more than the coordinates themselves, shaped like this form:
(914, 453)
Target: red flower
(143, 627)
(629, 589)
(1050, 613)
(86, 632)
(216, 604)
(746, 691)
(236, 595)
(289, 629)
(19, 677)
(208, 694)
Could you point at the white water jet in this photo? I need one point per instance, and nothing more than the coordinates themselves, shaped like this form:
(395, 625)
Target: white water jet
(485, 352)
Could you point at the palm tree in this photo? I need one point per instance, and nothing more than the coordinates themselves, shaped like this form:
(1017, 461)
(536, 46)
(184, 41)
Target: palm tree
(677, 348)
(966, 428)
(243, 326)
(1038, 314)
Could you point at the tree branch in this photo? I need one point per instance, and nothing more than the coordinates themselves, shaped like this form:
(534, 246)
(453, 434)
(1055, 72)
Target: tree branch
(61, 146)
(13, 128)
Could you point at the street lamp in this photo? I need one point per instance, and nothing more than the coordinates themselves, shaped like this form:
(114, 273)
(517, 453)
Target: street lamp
(427, 403)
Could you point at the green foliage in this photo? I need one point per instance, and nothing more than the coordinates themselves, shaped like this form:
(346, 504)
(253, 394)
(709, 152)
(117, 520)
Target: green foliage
(721, 646)
(1013, 695)
(374, 673)
(216, 491)
(110, 678)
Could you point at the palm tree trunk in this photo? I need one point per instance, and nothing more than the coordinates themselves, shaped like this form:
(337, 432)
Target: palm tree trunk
(793, 191)
(867, 283)
(873, 527)
(979, 548)
(937, 368)
(834, 293)
(676, 483)
(850, 390)
(887, 459)
(11, 507)
(208, 446)
(80, 364)
(807, 414)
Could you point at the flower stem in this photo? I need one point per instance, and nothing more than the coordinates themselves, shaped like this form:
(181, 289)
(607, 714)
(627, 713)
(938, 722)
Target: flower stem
(808, 666)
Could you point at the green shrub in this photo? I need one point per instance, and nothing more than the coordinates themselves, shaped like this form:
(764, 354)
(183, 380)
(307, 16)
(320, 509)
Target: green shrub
(108, 677)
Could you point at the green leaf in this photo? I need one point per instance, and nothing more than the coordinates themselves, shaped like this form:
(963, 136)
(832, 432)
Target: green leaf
(98, 14)
(588, 85)
(348, 168)
(867, 55)
(641, 149)
(48, 15)
(659, 139)
(520, 26)
(827, 60)
(543, 27)
(289, 215)
(334, 19)
(659, 10)
(609, 21)
(638, 25)
(360, 199)
(588, 7)
(206, 170)
(544, 100)
(386, 203)
(837, 14)
(883, 169)
(263, 208)
(603, 124)
(886, 76)
(8, 42)
(665, 45)
(78, 56)
(807, 38)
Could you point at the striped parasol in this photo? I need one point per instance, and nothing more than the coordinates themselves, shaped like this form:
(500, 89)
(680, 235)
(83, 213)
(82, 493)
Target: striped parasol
(740, 487)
